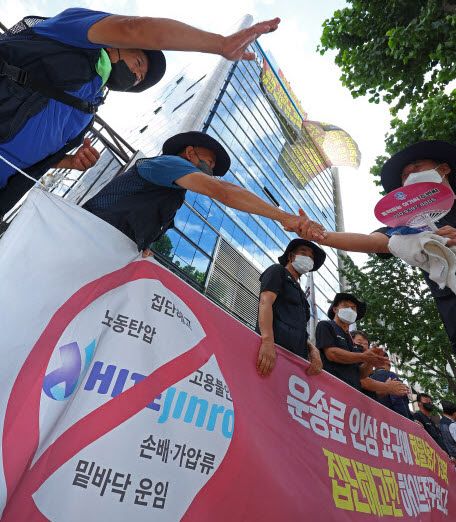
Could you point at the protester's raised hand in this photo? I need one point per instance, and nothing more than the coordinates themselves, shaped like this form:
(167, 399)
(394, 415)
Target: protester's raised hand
(395, 387)
(85, 157)
(372, 357)
(449, 232)
(304, 227)
(234, 46)
(292, 223)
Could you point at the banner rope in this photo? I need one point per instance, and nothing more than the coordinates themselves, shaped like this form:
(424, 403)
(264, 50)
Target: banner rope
(21, 171)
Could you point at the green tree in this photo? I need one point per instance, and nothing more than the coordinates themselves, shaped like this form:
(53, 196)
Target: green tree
(401, 51)
(195, 274)
(163, 246)
(435, 119)
(402, 315)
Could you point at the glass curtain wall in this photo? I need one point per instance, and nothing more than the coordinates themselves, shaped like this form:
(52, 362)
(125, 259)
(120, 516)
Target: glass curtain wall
(268, 159)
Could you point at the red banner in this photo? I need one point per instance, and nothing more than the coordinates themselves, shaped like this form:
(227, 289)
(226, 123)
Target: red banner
(302, 446)
(127, 395)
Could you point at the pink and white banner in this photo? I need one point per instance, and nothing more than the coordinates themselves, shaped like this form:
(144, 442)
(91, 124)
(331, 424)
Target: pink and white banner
(127, 395)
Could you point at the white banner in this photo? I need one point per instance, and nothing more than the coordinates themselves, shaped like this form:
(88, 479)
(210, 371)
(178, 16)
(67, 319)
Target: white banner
(154, 463)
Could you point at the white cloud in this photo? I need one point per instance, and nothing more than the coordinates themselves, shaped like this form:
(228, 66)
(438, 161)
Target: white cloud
(14, 10)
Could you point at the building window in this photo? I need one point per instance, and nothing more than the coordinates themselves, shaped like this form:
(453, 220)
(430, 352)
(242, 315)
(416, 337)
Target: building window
(271, 197)
(174, 249)
(183, 103)
(197, 81)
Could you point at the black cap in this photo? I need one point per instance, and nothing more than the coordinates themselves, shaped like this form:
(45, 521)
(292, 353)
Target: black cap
(343, 296)
(441, 151)
(448, 407)
(177, 144)
(155, 71)
(319, 253)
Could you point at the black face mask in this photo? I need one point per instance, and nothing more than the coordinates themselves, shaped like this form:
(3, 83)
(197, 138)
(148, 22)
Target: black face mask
(428, 406)
(121, 78)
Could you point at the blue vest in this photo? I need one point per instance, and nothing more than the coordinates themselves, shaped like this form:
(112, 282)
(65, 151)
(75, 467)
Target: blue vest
(49, 62)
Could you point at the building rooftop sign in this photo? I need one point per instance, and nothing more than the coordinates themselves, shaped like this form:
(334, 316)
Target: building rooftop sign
(298, 158)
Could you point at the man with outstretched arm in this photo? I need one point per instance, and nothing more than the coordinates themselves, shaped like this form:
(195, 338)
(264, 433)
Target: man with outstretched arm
(426, 161)
(143, 201)
(53, 74)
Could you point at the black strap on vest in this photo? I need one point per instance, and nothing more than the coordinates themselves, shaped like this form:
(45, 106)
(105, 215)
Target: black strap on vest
(21, 77)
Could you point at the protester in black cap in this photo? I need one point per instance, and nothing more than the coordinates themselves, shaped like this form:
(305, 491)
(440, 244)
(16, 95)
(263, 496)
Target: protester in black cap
(424, 417)
(339, 355)
(53, 73)
(389, 389)
(432, 161)
(283, 310)
(448, 427)
(379, 385)
(143, 201)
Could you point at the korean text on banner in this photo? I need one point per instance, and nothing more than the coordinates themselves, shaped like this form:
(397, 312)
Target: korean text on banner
(127, 395)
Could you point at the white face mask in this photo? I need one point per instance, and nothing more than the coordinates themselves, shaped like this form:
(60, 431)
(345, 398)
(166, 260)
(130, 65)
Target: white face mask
(302, 264)
(431, 176)
(347, 315)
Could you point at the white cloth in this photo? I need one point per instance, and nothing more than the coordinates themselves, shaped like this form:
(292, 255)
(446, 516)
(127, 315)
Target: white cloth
(427, 251)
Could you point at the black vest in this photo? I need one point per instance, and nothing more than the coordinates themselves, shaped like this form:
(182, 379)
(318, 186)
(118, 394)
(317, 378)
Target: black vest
(144, 213)
(48, 61)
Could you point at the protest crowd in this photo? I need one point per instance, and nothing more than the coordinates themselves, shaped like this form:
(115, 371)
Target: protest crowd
(54, 74)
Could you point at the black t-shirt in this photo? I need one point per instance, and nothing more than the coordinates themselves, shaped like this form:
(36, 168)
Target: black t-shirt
(291, 311)
(431, 428)
(397, 403)
(328, 334)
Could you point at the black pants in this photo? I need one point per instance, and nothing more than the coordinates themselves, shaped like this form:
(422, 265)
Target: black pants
(447, 309)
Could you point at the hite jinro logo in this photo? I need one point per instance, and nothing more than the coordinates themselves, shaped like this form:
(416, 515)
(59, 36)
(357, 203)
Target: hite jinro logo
(60, 383)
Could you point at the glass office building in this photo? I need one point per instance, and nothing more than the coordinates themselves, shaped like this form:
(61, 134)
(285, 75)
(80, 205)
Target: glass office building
(252, 110)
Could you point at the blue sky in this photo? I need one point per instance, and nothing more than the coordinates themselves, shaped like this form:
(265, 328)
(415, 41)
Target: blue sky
(314, 78)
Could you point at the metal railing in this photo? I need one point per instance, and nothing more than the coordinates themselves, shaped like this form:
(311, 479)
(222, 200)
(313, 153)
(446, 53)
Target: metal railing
(115, 154)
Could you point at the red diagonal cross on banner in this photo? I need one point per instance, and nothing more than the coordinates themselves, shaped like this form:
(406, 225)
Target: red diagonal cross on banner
(21, 428)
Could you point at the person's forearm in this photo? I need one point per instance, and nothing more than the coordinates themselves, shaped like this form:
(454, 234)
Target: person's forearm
(242, 199)
(171, 35)
(313, 350)
(265, 315)
(160, 33)
(338, 355)
(356, 242)
(365, 370)
(65, 163)
(374, 386)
